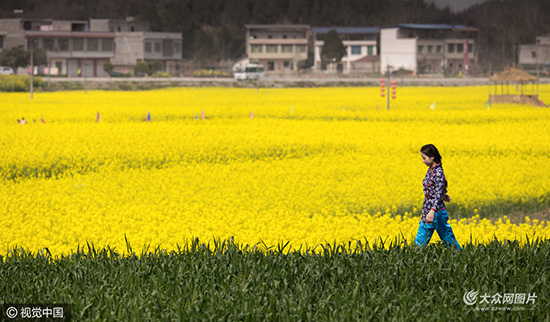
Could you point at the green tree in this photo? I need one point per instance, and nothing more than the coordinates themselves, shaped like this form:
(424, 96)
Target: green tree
(19, 57)
(155, 66)
(108, 67)
(333, 48)
(141, 68)
(39, 57)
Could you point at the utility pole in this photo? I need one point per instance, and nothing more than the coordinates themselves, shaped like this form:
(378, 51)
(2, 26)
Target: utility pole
(31, 48)
(49, 66)
(83, 70)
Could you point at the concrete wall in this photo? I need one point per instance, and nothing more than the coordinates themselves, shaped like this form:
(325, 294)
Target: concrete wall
(12, 32)
(99, 25)
(129, 48)
(543, 40)
(58, 25)
(533, 54)
(396, 52)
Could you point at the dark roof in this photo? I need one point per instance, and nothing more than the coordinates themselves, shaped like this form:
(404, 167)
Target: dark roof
(431, 27)
(346, 30)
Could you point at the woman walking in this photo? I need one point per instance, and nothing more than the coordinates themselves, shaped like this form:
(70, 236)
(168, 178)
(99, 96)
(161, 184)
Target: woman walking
(434, 213)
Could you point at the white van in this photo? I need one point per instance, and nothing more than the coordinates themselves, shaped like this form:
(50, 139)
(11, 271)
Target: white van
(249, 71)
(6, 70)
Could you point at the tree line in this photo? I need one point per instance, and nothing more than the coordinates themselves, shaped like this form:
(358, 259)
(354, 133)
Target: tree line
(214, 30)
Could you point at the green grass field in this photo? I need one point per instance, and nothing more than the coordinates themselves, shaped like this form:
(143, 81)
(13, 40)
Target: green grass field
(228, 282)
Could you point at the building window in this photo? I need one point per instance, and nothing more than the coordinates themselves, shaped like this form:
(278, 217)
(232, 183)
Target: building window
(356, 50)
(47, 44)
(59, 66)
(284, 36)
(177, 47)
(92, 44)
(271, 48)
(1, 41)
(286, 64)
(63, 44)
(270, 65)
(430, 48)
(157, 47)
(370, 50)
(301, 48)
(451, 48)
(438, 49)
(107, 45)
(286, 48)
(256, 48)
(148, 47)
(420, 48)
(470, 48)
(269, 36)
(78, 44)
(534, 54)
(167, 48)
(460, 48)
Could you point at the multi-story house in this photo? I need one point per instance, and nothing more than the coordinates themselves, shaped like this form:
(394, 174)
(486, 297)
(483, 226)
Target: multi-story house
(81, 48)
(134, 42)
(361, 45)
(279, 48)
(428, 48)
(71, 48)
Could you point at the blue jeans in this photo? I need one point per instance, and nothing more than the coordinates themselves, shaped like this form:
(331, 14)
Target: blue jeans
(444, 230)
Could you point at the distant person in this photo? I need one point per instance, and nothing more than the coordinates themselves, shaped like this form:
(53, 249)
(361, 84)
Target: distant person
(23, 121)
(434, 213)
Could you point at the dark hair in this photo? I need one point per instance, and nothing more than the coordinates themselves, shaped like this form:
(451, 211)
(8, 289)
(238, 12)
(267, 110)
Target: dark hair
(431, 151)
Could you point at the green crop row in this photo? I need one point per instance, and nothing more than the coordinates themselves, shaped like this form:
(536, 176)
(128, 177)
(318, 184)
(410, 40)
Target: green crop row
(225, 281)
(13, 83)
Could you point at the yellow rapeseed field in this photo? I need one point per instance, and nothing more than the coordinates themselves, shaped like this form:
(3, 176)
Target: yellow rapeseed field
(306, 166)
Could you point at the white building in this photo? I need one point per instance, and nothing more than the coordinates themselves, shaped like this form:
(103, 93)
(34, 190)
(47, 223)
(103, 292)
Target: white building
(533, 57)
(428, 48)
(360, 43)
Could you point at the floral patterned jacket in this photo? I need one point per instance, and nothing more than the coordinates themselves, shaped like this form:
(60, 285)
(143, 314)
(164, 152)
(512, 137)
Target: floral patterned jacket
(435, 188)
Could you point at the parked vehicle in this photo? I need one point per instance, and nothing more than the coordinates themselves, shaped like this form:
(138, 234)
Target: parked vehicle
(6, 70)
(250, 71)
